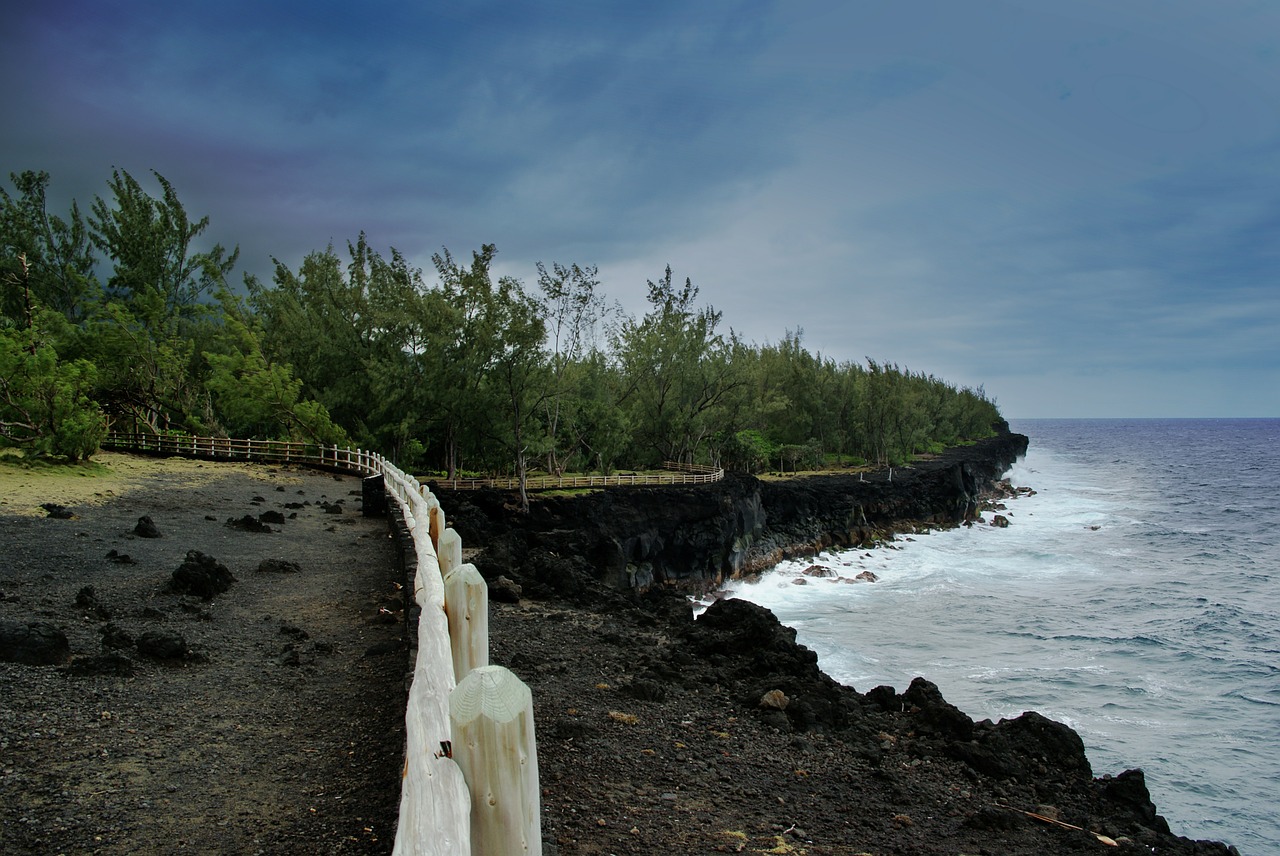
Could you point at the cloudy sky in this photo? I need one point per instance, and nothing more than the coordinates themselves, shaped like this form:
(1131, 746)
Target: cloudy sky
(1074, 204)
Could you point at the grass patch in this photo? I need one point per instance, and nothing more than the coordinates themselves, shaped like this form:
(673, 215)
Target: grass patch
(15, 461)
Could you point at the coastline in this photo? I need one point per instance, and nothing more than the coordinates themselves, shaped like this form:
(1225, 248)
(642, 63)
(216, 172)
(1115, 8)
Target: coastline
(660, 734)
(726, 725)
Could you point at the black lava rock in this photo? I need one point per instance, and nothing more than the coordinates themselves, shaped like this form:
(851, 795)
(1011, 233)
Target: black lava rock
(36, 643)
(202, 576)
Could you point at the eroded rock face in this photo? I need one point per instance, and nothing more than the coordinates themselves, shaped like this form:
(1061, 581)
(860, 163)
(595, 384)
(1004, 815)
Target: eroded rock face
(36, 643)
(201, 575)
(693, 538)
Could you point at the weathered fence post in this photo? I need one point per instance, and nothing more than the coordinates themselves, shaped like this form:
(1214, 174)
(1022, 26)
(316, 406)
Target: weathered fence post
(494, 744)
(449, 551)
(466, 603)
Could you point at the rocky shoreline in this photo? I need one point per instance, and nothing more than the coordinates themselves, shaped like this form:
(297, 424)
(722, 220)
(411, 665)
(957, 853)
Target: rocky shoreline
(282, 732)
(661, 734)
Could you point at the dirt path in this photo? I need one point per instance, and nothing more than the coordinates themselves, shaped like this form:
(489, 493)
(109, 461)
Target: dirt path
(281, 732)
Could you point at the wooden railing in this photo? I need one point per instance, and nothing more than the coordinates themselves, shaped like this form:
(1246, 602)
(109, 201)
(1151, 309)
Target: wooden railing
(359, 460)
(226, 449)
(681, 474)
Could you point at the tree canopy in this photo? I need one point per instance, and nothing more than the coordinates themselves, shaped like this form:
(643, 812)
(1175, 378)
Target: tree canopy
(128, 318)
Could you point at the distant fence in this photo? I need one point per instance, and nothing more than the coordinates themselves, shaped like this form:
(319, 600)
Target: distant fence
(359, 460)
(264, 451)
(455, 744)
(681, 474)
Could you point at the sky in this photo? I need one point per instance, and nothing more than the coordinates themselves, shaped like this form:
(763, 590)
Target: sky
(1075, 205)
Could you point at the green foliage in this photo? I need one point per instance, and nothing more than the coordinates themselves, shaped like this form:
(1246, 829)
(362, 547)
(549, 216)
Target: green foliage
(468, 371)
(45, 404)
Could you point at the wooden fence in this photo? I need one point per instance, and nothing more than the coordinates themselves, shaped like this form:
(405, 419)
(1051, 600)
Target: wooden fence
(680, 474)
(359, 460)
(455, 746)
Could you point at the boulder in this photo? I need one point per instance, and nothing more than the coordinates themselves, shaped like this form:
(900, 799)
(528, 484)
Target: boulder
(248, 523)
(146, 528)
(163, 646)
(202, 576)
(504, 590)
(36, 643)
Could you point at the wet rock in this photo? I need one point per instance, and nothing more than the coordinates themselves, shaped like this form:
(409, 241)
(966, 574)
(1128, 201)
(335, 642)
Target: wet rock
(277, 566)
(202, 576)
(925, 702)
(35, 643)
(1129, 790)
(146, 528)
(1025, 748)
(1000, 521)
(818, 571)
(867, 577)
(163, 646)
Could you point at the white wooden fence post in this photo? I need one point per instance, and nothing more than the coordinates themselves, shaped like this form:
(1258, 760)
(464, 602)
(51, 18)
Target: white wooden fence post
(449, 551)
(466, 603)
(494, 744)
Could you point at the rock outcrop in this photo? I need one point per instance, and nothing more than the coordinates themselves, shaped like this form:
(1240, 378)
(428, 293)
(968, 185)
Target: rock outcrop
(694, 538)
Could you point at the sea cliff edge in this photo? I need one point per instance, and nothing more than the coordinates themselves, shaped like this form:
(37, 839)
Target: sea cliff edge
(658, 731)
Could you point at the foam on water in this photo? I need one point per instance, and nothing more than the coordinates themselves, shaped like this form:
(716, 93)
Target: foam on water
(1134, 598)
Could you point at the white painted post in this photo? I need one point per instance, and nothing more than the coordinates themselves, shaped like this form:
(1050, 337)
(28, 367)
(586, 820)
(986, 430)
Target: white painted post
(466, 603)
(494, 744)
(437, 525)
(449, 551)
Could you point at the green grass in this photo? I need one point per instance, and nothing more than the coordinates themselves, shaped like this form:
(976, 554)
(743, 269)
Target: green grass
(15, 460)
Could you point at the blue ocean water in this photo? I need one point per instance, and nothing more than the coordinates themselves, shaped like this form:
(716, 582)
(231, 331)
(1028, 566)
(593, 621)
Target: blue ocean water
(1135, 597)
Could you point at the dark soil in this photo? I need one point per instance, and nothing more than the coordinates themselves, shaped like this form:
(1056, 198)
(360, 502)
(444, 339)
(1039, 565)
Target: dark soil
(245, 719)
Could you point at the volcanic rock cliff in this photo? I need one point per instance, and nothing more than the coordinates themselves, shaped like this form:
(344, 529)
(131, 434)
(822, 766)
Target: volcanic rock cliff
(693, 538)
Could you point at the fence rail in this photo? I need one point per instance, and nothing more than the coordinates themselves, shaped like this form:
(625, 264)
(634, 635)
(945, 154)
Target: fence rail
(226, 449)
(681, 474)
(288, 452)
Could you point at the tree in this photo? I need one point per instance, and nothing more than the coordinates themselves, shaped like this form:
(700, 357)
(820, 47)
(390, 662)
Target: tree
(519, 374)
(677, 367)
(55, 255)
(255, 397)
(571, 310)
(45, 403)
(157, 272)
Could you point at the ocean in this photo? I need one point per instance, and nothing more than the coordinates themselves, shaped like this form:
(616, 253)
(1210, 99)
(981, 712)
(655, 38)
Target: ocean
(1134, 597)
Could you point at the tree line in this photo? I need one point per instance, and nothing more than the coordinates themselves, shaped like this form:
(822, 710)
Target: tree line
(126, 315)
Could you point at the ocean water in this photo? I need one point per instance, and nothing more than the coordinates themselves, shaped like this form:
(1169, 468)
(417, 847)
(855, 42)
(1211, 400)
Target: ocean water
(1135, 597)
